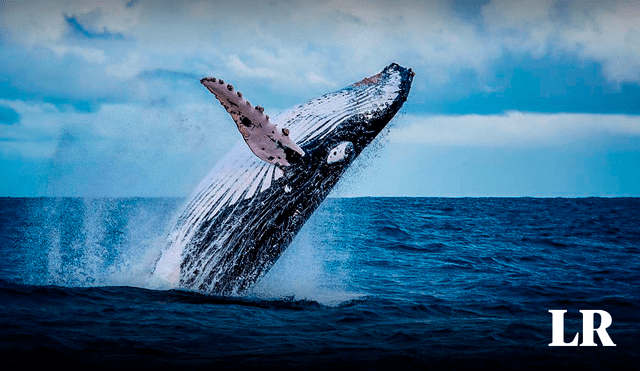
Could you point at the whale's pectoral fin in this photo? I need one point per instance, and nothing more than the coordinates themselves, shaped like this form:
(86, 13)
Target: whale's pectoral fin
(264, 138)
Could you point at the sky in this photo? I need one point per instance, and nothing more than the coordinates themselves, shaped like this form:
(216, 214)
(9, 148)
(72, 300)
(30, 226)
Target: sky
(510, 98)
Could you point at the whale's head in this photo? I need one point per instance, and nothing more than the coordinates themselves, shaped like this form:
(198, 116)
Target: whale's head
(334, 128)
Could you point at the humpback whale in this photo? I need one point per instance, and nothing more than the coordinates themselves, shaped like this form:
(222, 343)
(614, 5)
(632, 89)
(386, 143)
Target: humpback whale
(248, 209)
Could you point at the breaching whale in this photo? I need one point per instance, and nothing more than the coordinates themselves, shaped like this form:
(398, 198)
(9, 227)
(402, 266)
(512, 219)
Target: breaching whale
(248, 209)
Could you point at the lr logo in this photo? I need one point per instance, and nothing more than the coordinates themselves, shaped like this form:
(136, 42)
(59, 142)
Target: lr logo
(587, 329)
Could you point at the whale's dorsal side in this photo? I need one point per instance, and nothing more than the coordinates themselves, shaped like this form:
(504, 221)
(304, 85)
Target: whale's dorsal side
(270, 143)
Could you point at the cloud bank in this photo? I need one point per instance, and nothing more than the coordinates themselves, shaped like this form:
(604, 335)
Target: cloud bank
(88, 87)
(512, 129)
(305, 45)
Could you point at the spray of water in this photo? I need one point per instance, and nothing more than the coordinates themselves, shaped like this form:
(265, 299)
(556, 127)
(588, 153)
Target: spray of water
(93, 242)
(308, 270)
(84, 242)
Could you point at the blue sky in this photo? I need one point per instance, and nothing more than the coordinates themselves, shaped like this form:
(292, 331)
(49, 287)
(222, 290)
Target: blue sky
(510, 98)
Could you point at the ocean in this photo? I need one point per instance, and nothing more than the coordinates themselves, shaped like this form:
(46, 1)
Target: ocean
(367, 284)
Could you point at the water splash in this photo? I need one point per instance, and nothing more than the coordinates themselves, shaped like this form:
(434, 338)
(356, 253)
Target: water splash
(88, 242)
(310, 269)
(93, 242)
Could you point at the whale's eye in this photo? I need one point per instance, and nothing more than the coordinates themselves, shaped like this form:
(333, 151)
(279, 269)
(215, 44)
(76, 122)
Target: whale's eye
(340, 152)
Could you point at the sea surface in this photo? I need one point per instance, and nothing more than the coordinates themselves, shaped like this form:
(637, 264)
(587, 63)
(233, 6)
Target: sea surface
(368, 283)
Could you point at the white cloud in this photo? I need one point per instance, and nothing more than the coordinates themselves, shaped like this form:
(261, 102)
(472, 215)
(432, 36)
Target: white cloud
(610, 35)
(289, 44)
(91, 55)
(605, 31)
(128, 68)
(317, 79)
(235, 63)
(511, 129)
(516, 14)
(43, 22)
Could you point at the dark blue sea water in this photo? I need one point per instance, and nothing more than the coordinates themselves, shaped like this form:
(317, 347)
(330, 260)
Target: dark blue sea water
(369, 283)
